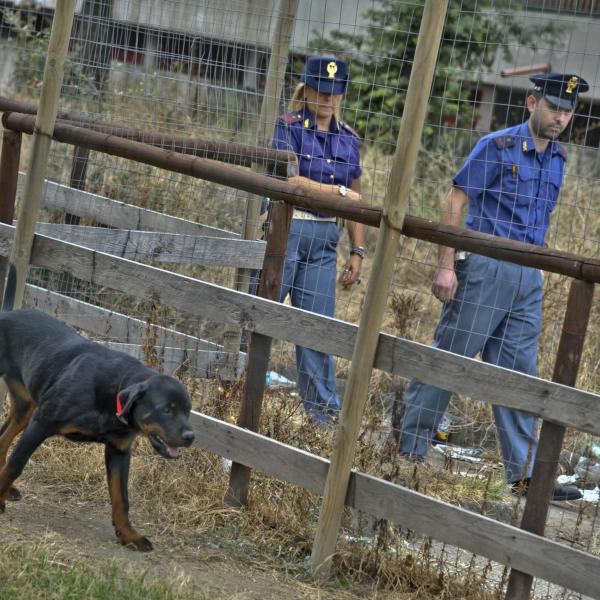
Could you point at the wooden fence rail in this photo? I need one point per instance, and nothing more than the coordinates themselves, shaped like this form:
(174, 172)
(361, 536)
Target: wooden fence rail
(119, 214)
(161, 247)
(508, 545)
(200, 357)
(561, 404)
(579, 267)
(223, 151)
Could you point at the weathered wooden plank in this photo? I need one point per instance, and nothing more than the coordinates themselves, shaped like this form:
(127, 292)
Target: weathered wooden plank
(173, 348)
(118, 214)
(508, 545)
(205, 364)
(108, 323)
(161, 247)
(554, 402)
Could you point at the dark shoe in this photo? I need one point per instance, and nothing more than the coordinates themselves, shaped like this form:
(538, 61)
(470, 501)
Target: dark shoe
(559, 493)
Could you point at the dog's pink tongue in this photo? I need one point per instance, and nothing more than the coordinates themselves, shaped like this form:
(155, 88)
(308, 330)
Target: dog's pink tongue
(172, 452)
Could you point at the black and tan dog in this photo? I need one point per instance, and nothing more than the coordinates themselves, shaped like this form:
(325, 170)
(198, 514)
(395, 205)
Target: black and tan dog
(63, 384)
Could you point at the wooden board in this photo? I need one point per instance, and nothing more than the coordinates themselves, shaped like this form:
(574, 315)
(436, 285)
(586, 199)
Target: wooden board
(174, 350)
(557, 403)
(205, 364)
(109, 324)
(508, 545)
(118, 214)
(162, 247)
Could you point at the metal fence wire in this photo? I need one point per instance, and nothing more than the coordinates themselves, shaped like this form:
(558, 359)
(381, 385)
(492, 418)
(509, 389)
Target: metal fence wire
(509, 148)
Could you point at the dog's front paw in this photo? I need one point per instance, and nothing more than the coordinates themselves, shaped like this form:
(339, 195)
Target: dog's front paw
(143, 544)
(13, 494)
(135, 542)
(2, 506)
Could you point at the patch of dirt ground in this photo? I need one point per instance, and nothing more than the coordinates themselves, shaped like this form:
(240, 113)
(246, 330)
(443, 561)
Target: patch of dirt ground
(86, 533)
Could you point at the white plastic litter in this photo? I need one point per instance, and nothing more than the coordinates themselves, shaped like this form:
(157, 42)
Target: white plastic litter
(458, 453)
(591, 495)
(276, 381)
(567, 479)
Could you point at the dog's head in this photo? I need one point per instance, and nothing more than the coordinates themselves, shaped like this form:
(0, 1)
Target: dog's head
(160, 408)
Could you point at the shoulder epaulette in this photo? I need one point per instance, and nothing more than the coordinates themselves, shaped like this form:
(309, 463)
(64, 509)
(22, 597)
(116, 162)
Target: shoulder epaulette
(505, 141)
(561, 151)
(348, 128)
(292, 117)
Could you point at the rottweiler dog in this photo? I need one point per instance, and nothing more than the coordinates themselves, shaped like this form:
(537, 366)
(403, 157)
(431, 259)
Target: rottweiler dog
(60, 383)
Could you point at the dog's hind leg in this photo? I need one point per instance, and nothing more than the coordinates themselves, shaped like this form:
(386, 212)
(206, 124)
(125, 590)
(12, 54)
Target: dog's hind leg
(117, 472)
(35, 433)
(21, 409)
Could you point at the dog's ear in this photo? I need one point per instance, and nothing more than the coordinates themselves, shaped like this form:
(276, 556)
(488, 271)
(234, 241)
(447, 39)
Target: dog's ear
(126, 398)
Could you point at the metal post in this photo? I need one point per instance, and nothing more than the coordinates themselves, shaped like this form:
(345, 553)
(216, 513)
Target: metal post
(566, 368)
(260, 345)
(266, 125)
(44, 127)
(396, 201)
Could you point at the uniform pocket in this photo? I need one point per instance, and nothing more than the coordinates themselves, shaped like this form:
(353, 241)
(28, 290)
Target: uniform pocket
(527, 179)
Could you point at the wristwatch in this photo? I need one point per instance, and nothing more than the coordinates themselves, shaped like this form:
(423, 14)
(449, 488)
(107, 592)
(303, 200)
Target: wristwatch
(358, 250)
(342, 190)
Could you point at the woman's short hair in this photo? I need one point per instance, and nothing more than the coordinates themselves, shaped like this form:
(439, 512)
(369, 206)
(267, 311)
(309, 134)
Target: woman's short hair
(297, 102)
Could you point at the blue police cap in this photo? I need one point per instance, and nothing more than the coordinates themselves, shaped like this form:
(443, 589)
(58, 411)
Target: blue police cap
(560, 89)
(325, 74)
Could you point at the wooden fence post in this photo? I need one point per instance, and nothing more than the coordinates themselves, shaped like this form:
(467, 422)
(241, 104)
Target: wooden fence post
(44, 126)
(396, 201)
(266, 125)
(9, 175)
(260, 345)
(566, 368)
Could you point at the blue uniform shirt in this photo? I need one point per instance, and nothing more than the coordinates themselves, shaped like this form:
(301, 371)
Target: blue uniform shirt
(512, 189)
(330, 157)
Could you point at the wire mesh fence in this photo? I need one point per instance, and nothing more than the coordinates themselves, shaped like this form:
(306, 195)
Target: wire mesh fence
(199, 69)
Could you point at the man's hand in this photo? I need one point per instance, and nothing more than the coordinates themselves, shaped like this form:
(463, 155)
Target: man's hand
(351, 272)
(445, 284)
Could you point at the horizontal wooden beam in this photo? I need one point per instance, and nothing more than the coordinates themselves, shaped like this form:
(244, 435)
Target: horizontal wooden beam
(201, 168)
(174, 349)
(205, 364)
(119, 214)
(554, 402)
(323, 201)
(151, 246)
(505, 544)
(221, 150)
(547, 259)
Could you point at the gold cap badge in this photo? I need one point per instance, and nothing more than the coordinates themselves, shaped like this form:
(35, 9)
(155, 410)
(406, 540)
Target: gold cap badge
(331, 69)
(571, 85)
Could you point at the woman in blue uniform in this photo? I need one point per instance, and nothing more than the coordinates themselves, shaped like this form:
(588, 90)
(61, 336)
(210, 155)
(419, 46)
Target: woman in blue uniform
(328, 157)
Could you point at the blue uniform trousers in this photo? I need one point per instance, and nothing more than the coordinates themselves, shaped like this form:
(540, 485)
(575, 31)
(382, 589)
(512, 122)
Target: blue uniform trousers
(310, 279)
(496, 312)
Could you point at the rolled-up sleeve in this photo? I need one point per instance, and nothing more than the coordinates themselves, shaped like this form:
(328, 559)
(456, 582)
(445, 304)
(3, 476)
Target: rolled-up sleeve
(480, 169)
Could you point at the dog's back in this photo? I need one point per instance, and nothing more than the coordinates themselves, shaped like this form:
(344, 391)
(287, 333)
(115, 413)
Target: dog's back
(35, 350)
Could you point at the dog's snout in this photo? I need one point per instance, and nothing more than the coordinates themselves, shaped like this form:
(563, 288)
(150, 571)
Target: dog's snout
(188, 437)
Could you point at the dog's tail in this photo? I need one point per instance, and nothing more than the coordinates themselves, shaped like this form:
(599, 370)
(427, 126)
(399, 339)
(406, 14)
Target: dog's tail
(8, 301)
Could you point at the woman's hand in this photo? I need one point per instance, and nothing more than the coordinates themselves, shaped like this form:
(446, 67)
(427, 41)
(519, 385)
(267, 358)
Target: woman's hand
(351, 272)
(353, 195)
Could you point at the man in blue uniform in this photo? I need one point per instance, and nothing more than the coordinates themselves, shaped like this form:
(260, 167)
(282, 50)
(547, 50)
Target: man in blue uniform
(510, 183)
(328, 159)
